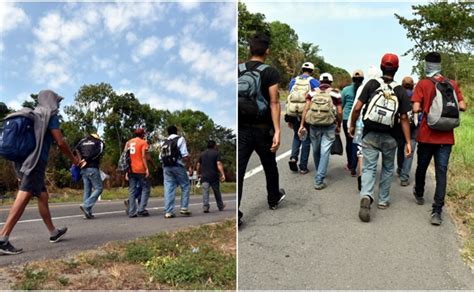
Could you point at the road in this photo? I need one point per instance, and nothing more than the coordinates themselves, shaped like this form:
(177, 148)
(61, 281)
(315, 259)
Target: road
(315, 240)
(110, 224)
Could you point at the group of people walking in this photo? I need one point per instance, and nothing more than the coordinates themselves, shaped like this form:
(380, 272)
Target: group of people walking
(86, 157)
(378, 117)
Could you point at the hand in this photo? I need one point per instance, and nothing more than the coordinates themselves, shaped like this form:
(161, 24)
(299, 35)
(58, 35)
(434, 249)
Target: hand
(299, 131)
(338, 129)
(275, 143)
(407, 149)
(351, 131)
(222, 178)
(147, 173)
(290, 125)
(126, 176)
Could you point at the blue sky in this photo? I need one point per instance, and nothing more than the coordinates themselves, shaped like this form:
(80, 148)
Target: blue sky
(350, 34)
(170, 55)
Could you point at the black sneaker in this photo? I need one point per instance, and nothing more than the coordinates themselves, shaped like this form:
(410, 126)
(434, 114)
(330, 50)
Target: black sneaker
(282, 197)
(7, 248)
(143, 213)
(57, 237)
(222, 208)
(436, 218)
(419, 199)
(364, 211)
(87, 214)
(293, 167)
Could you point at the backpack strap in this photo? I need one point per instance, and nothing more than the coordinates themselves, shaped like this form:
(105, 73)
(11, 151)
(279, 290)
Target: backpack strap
(262, 67)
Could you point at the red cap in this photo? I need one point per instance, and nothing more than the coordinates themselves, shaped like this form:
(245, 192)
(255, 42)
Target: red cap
(389, 60)
(139, 131)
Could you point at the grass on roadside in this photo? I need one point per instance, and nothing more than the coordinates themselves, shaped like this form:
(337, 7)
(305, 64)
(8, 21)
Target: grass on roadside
(75, 195)
(460, 193)
(195, 258)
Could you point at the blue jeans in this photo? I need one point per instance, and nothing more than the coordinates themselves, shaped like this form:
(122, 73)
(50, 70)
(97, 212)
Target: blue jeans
(135, 181)
(91, 179)
(372, 144)
(404, 163)
(351, 149)
(441, 155)
(322, 138)
(305, 147)
(217, 194)
(174, 176)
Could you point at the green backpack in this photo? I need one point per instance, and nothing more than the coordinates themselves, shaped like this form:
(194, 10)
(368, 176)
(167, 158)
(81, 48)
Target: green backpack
(321, 111)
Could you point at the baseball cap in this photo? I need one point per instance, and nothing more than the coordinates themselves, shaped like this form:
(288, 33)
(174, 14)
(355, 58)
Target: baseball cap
(326, 76)
(389, 60)
(357, 73)
(95, 135)
(139, 131)
(307, 65)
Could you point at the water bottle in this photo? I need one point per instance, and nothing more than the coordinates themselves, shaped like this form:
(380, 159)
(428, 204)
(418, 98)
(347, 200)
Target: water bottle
(359, 129)
(304, 134)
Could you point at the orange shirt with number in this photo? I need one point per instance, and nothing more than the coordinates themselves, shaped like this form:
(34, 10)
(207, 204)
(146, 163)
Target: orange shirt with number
(136, 147)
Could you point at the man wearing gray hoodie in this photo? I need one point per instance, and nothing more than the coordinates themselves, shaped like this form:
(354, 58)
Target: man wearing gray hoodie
(31, 173)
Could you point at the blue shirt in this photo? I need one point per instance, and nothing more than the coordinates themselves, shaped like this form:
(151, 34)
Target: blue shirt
(48, 137)
(348, 96)
(314, 83)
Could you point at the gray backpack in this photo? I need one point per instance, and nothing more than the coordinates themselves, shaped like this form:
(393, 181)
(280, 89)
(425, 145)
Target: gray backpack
(252, 103)
(444, 109)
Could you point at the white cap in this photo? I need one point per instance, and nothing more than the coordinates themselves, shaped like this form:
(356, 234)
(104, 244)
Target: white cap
(307, 65)
(325, 76)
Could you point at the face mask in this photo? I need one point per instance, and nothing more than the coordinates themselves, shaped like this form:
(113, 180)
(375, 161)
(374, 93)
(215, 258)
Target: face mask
(357, 79)
(431, 69)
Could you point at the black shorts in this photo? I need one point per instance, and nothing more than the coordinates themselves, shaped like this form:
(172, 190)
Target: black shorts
(34, 182)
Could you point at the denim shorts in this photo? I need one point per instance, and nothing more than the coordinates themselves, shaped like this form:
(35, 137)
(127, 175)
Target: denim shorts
(33, 182)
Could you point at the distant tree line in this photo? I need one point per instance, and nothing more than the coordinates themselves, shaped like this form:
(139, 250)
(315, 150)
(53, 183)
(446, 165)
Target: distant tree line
(98, 108)
(287, 54)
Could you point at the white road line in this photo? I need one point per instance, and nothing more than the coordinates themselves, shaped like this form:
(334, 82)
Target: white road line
(260, 167)
(103, 213)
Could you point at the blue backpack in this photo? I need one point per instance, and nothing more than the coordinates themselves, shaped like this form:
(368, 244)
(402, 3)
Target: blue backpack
(17, 138)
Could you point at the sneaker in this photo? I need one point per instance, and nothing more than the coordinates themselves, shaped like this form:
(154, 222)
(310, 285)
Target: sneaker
(57, 237)
(404, 183)
(7, 248)
(436, 219)
(143, 213)
(320, 186)
(87, 214)
(282, 197)
(185, 212)
(359, 183)
(125, 202)
(419, 199)
(304, 171)
(206, 210)
(293, 166)
(364, 212)
(383, 205)
(169, 215)
(222, 208)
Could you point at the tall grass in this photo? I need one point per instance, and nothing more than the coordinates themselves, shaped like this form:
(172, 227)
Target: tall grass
(460, 193)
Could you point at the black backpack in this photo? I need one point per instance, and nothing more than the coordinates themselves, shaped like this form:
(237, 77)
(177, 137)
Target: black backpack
(252, 103)
(90, 148)
(170, 153)
(444, 109)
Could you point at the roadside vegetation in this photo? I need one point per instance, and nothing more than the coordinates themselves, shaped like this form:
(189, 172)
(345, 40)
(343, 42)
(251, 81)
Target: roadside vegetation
(68, 195)
(199, 258)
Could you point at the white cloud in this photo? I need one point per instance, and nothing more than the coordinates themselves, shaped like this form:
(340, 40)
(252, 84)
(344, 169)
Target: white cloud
(188, 5)
(14, 104)
(145, 48)
(158, 101)
(120, 16)
(11, 17)
(224, 20)
(217, 65)
(131, 38)
(53, 29)
(169, 42)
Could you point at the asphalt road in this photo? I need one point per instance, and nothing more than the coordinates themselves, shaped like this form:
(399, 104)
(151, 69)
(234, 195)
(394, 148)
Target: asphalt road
(315, 240)
(110, 224)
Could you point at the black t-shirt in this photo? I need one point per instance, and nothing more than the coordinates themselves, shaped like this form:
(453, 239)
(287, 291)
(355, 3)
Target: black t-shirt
(94, 162)
(404, 103)
(268, 77)
(208, 160)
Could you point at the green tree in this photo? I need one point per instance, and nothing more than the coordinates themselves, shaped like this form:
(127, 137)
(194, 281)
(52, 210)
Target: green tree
(31, 104)
(4, 110)
(444, 27)
(249, 24)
